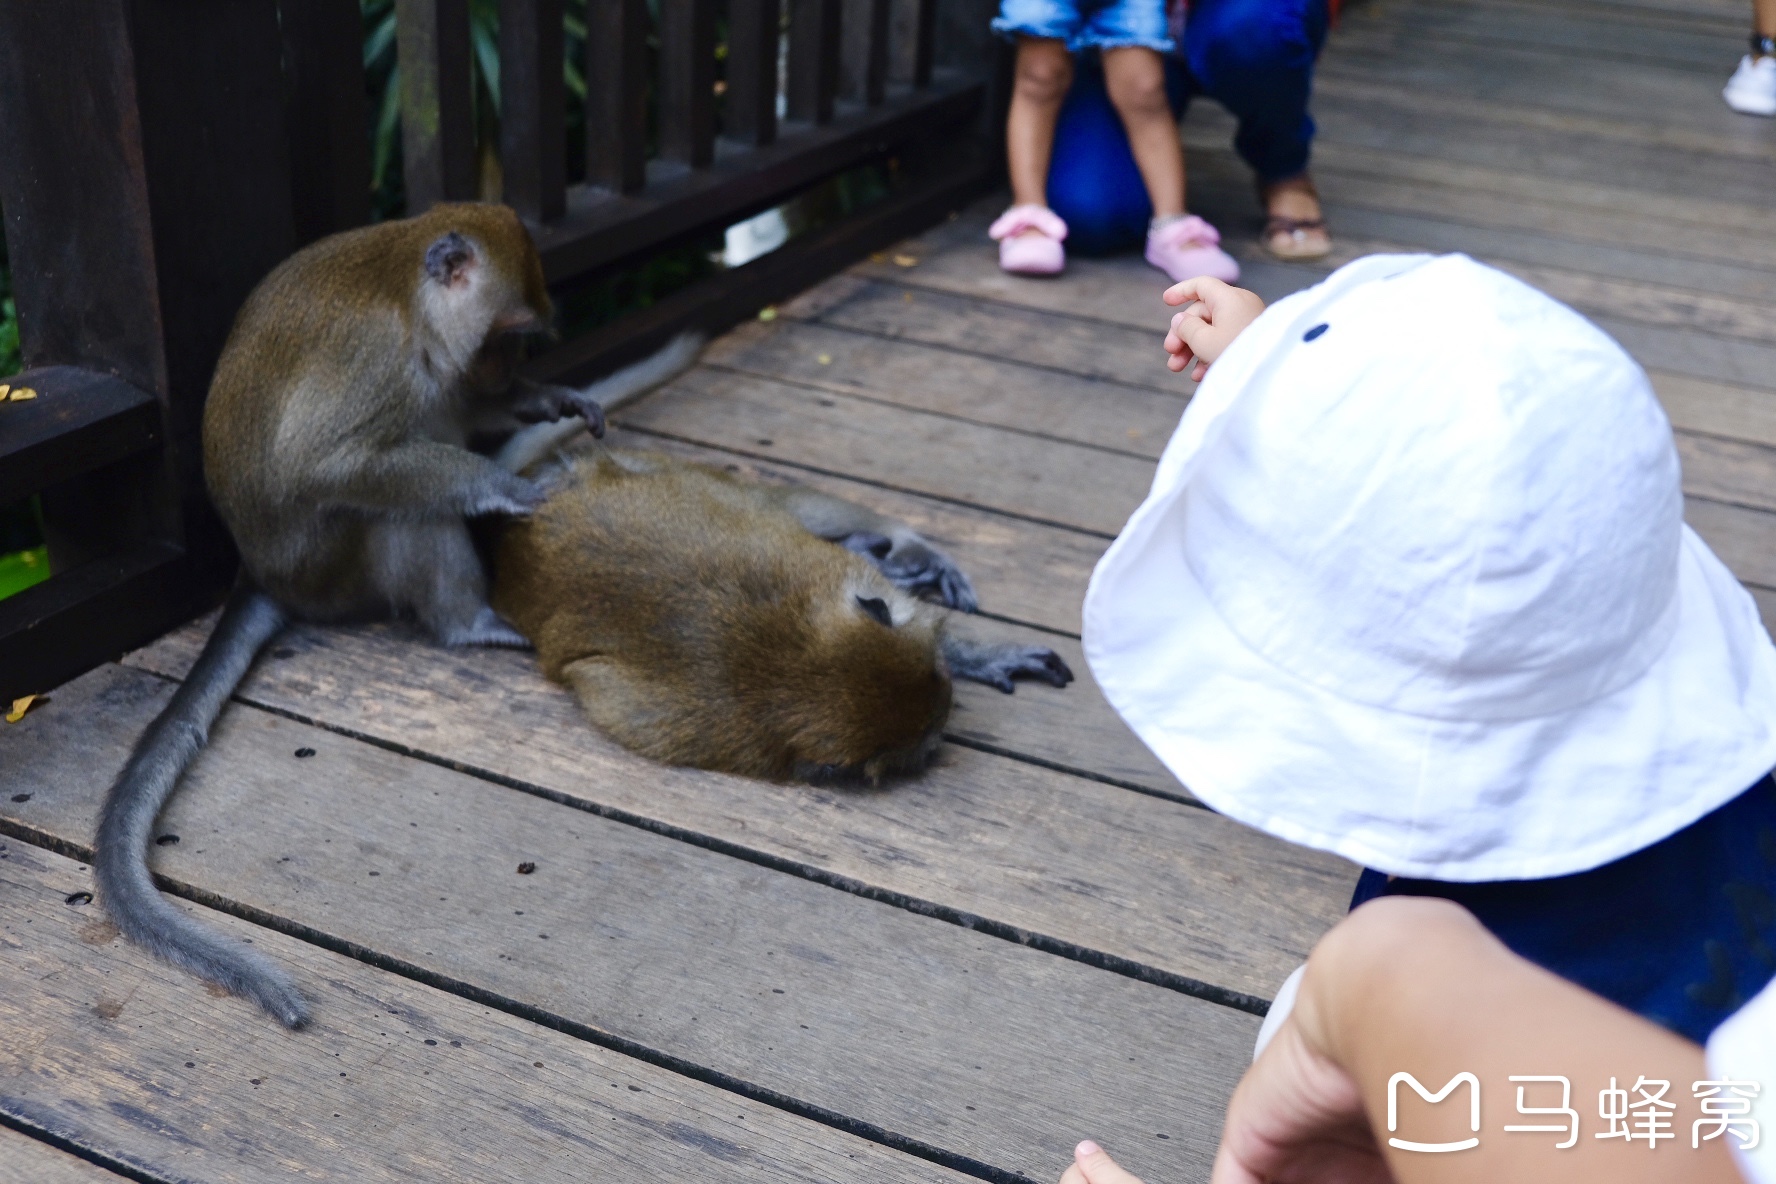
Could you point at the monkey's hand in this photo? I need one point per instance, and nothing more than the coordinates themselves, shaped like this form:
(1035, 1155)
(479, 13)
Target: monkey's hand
(515, 496)
(998, 663)
(915, 565)
(536, 402)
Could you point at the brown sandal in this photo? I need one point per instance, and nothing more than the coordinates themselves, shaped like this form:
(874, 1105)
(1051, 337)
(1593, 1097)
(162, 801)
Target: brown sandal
(1295, 243)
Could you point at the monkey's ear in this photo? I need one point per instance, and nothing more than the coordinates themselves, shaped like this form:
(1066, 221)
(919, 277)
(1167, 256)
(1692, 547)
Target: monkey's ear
(876, 607)
(448, 260)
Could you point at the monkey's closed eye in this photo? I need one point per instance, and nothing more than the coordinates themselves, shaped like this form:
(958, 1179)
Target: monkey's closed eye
(876, 607)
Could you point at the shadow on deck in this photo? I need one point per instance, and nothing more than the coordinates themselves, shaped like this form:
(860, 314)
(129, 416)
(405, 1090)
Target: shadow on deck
(709, 978)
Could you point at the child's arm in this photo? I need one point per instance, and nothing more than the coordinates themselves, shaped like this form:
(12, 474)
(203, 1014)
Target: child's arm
(1214, 314)
(1418, 986)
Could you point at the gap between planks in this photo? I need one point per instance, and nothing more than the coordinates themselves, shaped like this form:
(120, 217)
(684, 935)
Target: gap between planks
(132, 1059)
(817, 1001)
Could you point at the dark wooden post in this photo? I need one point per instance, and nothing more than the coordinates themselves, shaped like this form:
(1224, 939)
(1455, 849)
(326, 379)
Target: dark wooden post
(687, 81)
(863, 69)
(813, 59)
(437, 103)
(533, 99)
(147, 188)
(329, 115)
(914, 42)
(752, 70)
(616, 94)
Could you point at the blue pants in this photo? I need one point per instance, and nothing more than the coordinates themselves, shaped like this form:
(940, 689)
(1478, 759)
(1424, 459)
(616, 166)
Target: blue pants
(1682, 932)
(1256, 58)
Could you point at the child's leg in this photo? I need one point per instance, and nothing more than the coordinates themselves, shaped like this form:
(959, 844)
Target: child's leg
(1044, 72)
(1135, 77)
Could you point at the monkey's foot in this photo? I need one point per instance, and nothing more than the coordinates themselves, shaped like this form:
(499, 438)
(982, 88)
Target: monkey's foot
(488, 628)
(999, 665)
(916, 566)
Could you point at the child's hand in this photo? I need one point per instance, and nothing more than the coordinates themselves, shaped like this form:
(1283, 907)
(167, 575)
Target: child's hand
(1093, 1165)
(1214, 314)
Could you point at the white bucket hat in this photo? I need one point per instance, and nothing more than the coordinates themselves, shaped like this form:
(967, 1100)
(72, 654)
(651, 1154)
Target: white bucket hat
(1413, 586)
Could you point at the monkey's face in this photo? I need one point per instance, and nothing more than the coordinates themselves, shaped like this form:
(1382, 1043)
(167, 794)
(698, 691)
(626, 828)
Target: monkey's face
(881, 690)
(483, 278)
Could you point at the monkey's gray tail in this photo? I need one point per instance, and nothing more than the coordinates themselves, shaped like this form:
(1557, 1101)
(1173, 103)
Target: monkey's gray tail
(172, 741)
(531, 444)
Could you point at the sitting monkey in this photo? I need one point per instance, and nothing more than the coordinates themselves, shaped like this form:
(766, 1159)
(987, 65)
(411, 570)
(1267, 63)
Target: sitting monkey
(704, 620)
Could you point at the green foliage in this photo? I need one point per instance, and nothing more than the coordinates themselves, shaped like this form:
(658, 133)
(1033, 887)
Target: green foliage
(382, 77)
(10, 359)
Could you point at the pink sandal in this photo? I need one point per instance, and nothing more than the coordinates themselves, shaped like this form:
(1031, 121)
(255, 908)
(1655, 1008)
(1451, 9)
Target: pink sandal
(1187, 247)
(1030, 254)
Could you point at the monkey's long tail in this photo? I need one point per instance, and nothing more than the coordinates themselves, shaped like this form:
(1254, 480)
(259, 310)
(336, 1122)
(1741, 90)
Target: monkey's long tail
(120, 862)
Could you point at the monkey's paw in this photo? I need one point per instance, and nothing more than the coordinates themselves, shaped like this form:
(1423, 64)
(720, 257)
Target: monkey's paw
(917, 566)
(517, 497)
(999, 665)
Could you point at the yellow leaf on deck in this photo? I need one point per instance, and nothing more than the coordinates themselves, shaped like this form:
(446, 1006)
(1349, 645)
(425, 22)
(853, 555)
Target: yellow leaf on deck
(4, 387)
(768, 313)
(905, 260)
(19, 707)
(21, 393)
(824, 359)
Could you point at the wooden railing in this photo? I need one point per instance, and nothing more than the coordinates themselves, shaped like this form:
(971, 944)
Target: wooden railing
(157, 157)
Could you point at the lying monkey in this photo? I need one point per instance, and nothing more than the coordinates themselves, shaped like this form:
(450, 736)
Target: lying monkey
(708, 621)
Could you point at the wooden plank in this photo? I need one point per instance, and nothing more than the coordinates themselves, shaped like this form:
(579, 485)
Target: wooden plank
(1716, 408)
(329, 152)
(1557, 33)
(1027, 477)
(751, 114)
(24, 1160)
(988, 391)
(616, 94)
(890, 1018)
(1728, 470)
(1024, 571)
(813, 59)
(687, 81)
(393, 1082)
(533, 114)
(437, 107)
(1744, 538)
(1074, 730)
(1079, 866)
(1471, 138)
(80, 420)
(1069, 344)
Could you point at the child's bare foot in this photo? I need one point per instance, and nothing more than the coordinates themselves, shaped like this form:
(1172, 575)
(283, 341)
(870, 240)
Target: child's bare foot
(1093, 1165)
(1294, 227)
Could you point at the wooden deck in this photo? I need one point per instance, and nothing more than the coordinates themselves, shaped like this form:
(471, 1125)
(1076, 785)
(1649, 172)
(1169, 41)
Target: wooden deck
(708, 978)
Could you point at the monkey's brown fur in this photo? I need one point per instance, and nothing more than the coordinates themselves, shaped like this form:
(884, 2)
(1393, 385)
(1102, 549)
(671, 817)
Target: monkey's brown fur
(341, 356)
(701, 624)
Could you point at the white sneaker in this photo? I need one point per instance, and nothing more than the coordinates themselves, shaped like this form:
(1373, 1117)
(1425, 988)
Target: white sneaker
(1752, 88)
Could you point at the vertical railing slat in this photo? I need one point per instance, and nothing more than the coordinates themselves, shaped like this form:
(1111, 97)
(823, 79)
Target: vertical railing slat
(616, 94)
(752, 70)
(437, 106)
(813, 59)
(687, 81)
(329, 153)
(863, 71)
(924, 41)
(533, 98)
